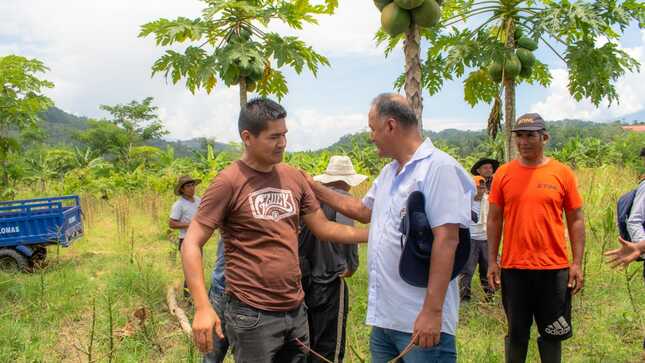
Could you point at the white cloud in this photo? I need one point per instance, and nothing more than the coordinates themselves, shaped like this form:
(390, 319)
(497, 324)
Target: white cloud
(558, 104)
(311, 129)
(96, 57)
(349, 31)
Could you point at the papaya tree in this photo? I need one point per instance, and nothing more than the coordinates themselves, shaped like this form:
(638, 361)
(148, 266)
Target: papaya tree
(405, 19)
(21, 101)
(493, 50)
(230, 43)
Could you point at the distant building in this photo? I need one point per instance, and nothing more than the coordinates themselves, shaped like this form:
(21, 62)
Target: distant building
(634, 128)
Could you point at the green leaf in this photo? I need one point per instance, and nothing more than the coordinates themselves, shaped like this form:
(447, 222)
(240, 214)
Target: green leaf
(592, 70)
(479, 87)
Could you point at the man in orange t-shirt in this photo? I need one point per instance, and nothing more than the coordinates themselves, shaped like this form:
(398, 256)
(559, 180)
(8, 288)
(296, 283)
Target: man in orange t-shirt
(527, 201)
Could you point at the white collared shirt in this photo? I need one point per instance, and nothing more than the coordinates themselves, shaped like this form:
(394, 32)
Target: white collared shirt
(448, 189)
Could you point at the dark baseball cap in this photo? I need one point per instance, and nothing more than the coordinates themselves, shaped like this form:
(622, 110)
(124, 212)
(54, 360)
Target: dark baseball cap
(529, 122)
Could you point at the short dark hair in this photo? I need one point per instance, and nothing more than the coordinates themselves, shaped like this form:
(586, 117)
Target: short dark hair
(393, 105)
(255, 115)
(643, 151)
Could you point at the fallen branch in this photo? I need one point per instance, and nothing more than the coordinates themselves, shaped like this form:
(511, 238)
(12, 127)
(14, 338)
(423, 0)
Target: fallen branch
(178, 312)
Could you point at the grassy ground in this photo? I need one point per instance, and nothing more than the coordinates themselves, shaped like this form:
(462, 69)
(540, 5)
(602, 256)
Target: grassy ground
(103, 299)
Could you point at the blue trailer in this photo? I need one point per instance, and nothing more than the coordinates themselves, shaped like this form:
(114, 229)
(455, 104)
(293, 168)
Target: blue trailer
(28, 226)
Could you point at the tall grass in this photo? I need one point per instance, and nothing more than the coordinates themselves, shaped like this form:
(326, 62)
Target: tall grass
(76, 308)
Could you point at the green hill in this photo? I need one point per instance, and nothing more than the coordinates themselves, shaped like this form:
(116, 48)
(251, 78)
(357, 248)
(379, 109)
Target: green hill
(466, 141)
(60, 128)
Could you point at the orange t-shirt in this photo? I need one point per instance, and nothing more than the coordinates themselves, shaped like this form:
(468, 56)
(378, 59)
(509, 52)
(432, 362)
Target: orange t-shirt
(533, 200)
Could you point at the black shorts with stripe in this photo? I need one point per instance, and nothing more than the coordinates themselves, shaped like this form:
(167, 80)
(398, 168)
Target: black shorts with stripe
(542, 295)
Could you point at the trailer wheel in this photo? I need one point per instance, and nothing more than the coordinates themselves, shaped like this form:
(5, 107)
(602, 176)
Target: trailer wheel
(38, 258)
(11, 260)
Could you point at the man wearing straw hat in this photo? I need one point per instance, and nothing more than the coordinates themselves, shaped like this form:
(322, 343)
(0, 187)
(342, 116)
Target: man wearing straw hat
(184, 209)
(324, 266)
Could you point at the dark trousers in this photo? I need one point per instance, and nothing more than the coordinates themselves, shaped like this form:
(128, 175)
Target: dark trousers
(478, 256)
(540, 295)
(258, 336)
(327, 305)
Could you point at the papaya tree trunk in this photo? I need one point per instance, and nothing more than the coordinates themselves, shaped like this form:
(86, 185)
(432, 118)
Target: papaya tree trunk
(412, 50)
(510, 150)
(242, 92)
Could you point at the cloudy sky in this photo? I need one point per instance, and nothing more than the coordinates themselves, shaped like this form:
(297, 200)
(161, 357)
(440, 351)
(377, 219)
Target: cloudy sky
(95, 57)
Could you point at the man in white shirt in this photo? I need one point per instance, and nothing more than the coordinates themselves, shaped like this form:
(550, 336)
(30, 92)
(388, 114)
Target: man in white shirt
(184, 209)
(398, 312)
(482, 171)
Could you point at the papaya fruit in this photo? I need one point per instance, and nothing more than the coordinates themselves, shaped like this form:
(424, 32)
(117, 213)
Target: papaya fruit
(232, 75)
(527, 43)
(257, 72)
(408, 4)
(526, 71)
(395, 20)
(250, 67)
(526, 57)
(250, 85)
(512, 66)
(495, 71)
(426, 15)
(380, 4)
(518, 34)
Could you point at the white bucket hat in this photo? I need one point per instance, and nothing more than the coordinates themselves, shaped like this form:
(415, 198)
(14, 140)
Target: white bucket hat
(340, 168)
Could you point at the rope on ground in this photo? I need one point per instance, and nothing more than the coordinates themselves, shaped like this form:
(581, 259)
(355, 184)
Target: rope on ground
(309, 350)
(178, 312)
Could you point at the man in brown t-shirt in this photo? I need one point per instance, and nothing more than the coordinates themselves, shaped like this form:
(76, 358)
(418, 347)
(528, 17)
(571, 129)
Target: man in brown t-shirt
(257, 202)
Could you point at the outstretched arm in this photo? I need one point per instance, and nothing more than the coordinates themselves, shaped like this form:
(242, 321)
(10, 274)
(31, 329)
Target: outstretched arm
(325, 230)
(347, 205)
(626, 254)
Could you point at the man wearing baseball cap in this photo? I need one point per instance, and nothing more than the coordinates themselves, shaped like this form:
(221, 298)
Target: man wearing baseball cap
(527, 200)
(324, 267)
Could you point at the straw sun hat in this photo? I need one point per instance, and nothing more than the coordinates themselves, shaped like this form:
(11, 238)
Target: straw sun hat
(340, 168)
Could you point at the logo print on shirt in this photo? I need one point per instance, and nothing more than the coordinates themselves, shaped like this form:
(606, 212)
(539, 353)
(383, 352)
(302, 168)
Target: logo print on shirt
(547, 186)
(272, 204)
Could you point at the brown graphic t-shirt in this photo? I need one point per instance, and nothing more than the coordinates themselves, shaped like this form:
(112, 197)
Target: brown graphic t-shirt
(258, 215)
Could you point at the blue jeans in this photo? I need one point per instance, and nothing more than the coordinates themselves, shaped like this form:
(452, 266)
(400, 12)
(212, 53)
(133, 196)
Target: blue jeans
(220, 346)
(387, 344)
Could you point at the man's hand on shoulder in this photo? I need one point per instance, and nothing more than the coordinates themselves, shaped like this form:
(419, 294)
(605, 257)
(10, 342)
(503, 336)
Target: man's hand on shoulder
(314, 185)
